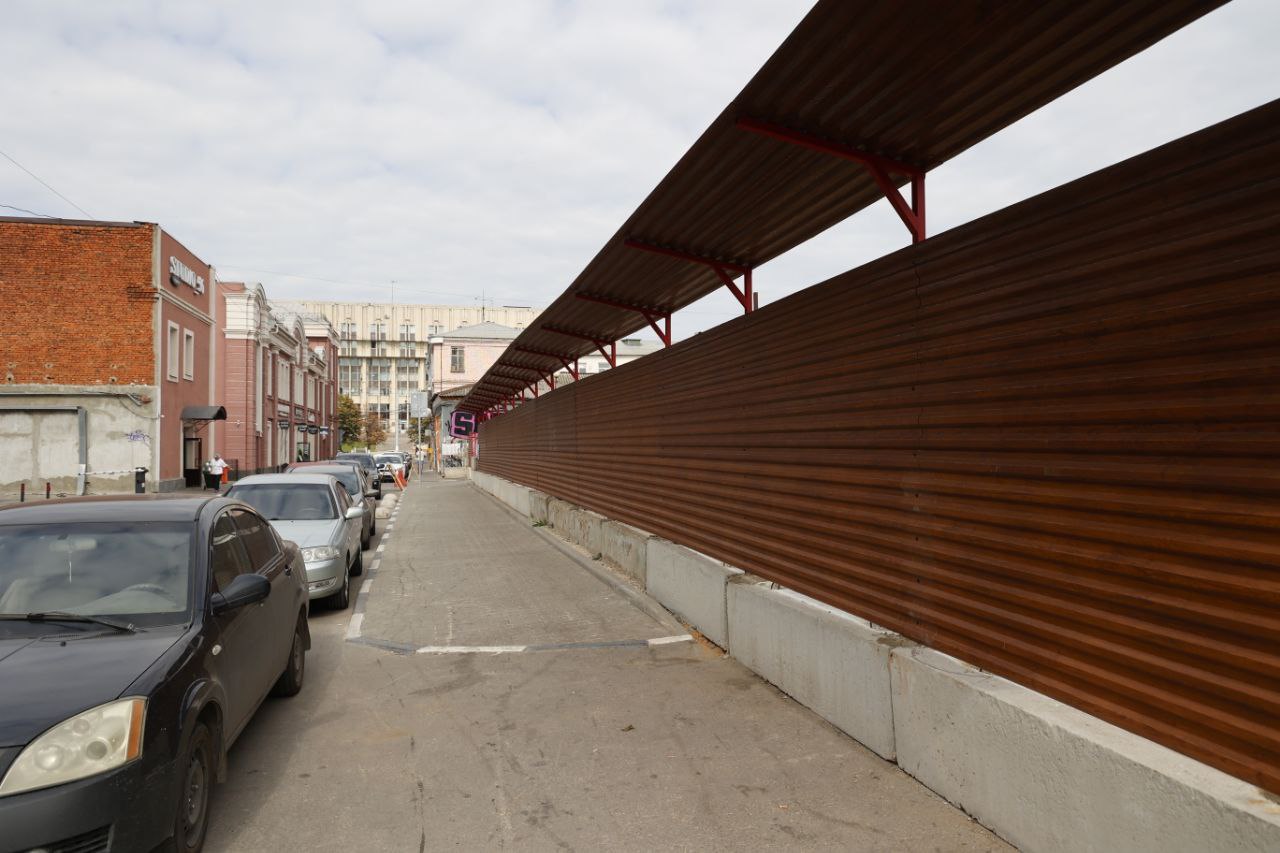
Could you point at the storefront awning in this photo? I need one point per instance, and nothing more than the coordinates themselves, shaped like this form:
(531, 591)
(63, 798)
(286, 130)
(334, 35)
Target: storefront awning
(204, 413)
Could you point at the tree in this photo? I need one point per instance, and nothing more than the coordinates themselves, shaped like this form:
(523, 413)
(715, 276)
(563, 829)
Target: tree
(374, 432)
(349, 420)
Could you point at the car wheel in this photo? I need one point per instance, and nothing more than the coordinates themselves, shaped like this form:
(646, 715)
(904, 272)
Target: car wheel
(373, 525)
(365, 538)
(340, 599)
(357, 568)
(195, 781)
(290, 681)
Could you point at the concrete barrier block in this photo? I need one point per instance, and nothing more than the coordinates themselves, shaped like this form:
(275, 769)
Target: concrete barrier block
(831, 662)
(517, 497)
(485, 481)
(456, 473)
(626, 546)
(690, 585)
(558, 514)
(537, 506)
(584, 528)
(1046, 776)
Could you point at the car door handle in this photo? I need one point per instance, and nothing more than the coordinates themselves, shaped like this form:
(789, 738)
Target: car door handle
(289, 571)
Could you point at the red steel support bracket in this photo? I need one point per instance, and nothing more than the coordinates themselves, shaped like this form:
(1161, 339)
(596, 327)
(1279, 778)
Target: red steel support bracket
(912, 215)
(652, 315)
(722, 269)
(560, 357)
(610, 354)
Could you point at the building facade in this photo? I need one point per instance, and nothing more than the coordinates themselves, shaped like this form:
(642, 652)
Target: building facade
(107, 341)
(280, 382)
(383, 349)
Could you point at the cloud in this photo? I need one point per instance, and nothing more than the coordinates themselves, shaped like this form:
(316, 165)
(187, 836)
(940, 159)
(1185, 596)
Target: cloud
(490, 146)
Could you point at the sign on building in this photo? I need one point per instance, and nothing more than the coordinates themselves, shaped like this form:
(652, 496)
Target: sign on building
(419, 405)
(462, 424)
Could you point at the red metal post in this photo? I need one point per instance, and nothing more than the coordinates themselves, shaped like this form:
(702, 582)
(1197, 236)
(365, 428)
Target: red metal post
(651, 315)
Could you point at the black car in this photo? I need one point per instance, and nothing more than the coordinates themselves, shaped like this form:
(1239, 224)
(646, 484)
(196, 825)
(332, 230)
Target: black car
(366, 462)
(137, 637)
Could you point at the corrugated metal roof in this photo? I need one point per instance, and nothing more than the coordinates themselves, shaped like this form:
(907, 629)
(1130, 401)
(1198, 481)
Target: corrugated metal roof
(915, 82)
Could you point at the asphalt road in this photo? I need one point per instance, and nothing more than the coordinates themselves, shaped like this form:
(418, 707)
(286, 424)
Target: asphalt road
(537, 717)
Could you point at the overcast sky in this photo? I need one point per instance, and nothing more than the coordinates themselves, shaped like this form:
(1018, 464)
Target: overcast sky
(327, 148)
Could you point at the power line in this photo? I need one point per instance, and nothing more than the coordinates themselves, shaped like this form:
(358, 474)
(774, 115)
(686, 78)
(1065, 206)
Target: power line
(24, 210)
(47, 186)
(397, 285)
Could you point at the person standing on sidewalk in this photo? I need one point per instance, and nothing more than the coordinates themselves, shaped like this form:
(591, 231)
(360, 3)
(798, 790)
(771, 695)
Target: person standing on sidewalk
(216, 466)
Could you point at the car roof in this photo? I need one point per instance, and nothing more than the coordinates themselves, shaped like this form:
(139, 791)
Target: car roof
(109, 508)
(295, 479)
(323, 468)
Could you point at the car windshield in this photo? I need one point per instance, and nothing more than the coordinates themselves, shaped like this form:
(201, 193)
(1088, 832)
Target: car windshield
(137, 569)
(346, 476)
(364, 459)
(287, 501)
(390, 458)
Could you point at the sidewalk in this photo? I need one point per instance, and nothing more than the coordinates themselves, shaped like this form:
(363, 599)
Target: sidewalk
(494, 694)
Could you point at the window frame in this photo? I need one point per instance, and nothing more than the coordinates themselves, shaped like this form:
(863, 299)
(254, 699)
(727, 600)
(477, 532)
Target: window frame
(188, 355)
(457, 359)
(174, 339)
(244, 552)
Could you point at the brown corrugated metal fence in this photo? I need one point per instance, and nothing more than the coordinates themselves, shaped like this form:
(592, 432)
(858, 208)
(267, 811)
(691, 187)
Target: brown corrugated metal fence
(1045, 442)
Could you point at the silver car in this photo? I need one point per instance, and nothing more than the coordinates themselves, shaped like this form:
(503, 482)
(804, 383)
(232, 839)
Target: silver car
(314, 511)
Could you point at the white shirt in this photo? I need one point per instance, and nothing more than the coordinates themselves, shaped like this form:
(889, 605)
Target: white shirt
(217, 466)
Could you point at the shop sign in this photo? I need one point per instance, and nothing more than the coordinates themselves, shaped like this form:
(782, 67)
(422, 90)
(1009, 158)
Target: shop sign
(284, 425)
(180, 274)
(313, 430)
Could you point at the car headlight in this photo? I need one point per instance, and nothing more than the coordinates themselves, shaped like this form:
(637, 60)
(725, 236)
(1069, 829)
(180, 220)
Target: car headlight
(315, 555)
(91, 742)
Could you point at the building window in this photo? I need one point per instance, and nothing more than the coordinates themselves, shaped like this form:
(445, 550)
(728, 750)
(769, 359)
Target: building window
(380, 377)
(350, 375)
(457, 360)
(408, 350)
(408, 332)
(172, 355)
(379, 349)
(348, 332)
(377, 331)
(188, 354)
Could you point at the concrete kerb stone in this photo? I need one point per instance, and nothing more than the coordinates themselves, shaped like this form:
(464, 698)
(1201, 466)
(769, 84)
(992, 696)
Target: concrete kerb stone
(690, 585)
(829, 661)
(625, 546)
(1046, 776)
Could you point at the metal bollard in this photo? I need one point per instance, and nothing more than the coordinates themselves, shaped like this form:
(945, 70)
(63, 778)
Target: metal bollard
(48, 489)
(22, 492)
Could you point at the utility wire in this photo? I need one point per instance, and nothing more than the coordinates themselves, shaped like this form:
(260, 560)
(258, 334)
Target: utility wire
(398, 285)
(24, 210)
(47, 186)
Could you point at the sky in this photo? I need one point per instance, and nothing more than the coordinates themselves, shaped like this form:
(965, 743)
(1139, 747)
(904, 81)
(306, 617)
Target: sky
(485, 151)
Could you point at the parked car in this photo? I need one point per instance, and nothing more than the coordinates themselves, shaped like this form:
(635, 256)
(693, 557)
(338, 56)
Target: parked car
(408, 461)
(314, 511)
(138, 635)
(389, 463)
(352, 478)
(367, 462)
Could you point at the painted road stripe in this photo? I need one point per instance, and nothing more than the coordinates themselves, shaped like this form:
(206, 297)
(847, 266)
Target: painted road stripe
(366, 586)
(666, 641)
(469, 650)
(353, 627)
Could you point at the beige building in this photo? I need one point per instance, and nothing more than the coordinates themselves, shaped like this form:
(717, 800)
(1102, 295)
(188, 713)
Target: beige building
(383, 350)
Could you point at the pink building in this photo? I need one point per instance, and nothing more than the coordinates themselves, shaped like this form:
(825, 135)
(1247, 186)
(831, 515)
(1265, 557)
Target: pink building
(280, 382)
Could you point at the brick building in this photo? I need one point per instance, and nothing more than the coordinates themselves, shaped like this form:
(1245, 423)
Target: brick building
(279, 381)
(107, 353)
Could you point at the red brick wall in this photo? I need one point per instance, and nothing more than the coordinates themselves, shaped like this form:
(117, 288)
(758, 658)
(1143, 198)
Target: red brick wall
(75, 303)
(240, 388)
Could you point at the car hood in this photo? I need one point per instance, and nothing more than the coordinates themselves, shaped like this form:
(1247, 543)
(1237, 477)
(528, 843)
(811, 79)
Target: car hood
(309, 534)
(47, 679)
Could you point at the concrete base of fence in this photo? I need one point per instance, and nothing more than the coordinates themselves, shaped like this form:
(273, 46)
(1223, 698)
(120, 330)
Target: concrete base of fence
(537, 507)
(690, 585)
(827, 660)
(1041, 774)
(626, 547)
(1046, 776)
(456, 473)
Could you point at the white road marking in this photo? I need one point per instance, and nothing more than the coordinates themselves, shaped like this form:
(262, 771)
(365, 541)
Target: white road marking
(353, 627)
(470, 650)
(666, 641)
(366, 586)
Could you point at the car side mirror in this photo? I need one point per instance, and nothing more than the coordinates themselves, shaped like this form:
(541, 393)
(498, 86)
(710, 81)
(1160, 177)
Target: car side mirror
(245, 589)
(355, 511)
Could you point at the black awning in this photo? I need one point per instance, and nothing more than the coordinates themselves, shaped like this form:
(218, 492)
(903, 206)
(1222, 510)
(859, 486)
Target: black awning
(204, 413)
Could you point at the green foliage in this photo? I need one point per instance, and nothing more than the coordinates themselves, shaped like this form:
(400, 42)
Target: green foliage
(374, 432)
(349, 420)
